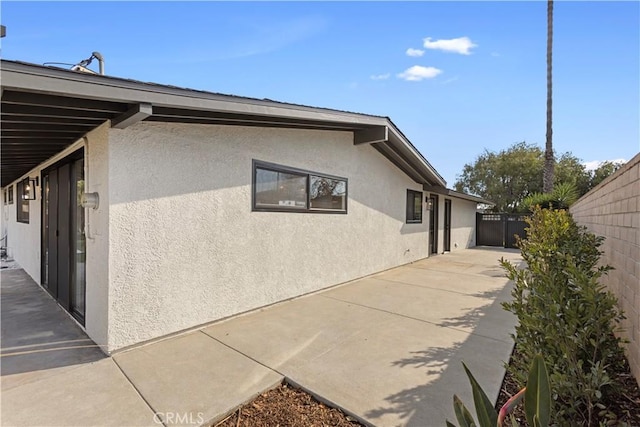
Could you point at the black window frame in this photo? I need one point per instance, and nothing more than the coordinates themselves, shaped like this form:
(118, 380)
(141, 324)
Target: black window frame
(21, 216)
(10, 190)
(412, 195)
(258, 164)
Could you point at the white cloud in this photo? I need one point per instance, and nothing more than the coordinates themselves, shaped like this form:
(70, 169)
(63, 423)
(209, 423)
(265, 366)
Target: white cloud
(381, 76)
(418, 73)
(495, 54)
(595, 164)
(461, 45)
(414, 52)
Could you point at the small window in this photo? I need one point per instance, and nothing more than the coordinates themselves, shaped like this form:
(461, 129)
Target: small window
(6, 196)
(284, 189)
(10, 190)
(22, 207)
(414, 207)
(327, 193)
(279, 189)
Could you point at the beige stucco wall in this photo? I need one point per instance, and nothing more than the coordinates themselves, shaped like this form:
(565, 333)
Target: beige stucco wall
(8, 215)
(463, 224)
(612, 210)
(186, 249)
(97, 234)
(23, 240)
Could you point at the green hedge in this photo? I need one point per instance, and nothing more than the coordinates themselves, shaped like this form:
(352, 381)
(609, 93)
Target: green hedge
(566, 315)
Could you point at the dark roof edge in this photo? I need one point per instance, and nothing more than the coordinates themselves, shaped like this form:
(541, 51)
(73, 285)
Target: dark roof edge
(78, 79)
(452, 193)
(59, 81)
(417, 152)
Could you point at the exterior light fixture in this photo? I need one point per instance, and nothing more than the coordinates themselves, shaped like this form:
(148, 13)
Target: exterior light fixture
(90, 200)
(429, 203)
(29, 188)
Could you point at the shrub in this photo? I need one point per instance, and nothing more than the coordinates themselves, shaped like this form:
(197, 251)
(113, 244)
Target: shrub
(562, 196)
(565, 314)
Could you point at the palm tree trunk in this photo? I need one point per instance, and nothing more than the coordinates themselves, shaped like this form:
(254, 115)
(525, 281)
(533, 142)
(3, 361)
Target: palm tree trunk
(549, 161)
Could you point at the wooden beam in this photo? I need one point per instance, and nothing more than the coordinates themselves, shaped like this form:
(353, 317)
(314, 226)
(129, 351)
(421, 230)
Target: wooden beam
(135, 114)
(371, 135)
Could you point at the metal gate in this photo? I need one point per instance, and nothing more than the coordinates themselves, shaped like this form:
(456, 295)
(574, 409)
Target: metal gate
(499, 229)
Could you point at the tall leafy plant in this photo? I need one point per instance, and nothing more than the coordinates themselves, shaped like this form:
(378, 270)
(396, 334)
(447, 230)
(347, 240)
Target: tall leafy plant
(536, 395)
(565, 313)
(562, 196)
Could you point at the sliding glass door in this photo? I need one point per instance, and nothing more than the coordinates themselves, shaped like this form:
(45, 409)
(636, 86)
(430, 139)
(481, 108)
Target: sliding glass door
(63, 237)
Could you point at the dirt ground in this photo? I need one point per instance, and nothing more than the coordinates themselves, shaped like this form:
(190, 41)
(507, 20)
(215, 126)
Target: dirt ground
(626, 407)
(286, 406)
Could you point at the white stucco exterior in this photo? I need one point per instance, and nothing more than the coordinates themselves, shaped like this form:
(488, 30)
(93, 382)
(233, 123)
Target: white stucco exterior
(463, 223)
(97, 236)
(175, 244)
(186, 248)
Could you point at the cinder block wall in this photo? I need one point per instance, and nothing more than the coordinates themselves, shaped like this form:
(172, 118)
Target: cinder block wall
(612, 210)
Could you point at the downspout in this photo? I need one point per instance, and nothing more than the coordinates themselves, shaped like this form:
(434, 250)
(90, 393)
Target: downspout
(87, 226)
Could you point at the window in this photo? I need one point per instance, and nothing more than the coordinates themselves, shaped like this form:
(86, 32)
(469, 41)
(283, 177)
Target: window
(6, 196)
(284, 189)
(22, 207)
(414, 207)
(10, 194)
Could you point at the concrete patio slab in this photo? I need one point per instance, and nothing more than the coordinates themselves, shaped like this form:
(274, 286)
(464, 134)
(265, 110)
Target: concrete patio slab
(386, 348)
(464, 282)
(441, 307)
(37, 337)
(383, 351)
(193, 379)
(91, 394)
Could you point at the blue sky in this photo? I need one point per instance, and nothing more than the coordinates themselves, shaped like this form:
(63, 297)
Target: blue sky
(475, 78)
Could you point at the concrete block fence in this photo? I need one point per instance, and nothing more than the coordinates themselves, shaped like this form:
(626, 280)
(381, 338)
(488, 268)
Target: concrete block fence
(612, 210)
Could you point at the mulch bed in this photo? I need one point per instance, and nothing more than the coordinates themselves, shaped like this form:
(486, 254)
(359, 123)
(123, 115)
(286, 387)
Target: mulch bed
(286, 406)
(626, 408)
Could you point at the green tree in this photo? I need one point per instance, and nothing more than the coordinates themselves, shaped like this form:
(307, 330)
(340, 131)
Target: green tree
(603, 171)
(509, 176)
(570, 170)
(506, 177)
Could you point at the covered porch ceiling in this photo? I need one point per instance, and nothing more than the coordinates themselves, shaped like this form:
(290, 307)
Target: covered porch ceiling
(44, 110)
(36, 126)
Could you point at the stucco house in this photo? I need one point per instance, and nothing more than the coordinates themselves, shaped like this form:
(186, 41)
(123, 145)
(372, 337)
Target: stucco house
(146, 210)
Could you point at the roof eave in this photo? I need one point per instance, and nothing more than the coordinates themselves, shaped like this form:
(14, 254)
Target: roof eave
(55, 81)
(25, 77)
(456, 194)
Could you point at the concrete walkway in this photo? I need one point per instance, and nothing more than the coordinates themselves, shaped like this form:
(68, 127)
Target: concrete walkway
(386, 349)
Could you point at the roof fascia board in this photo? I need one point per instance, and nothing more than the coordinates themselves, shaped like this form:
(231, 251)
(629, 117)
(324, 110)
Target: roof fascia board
(398, 161)
(401, 142)
(455, 194)
(63, 82)
(34, 78)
